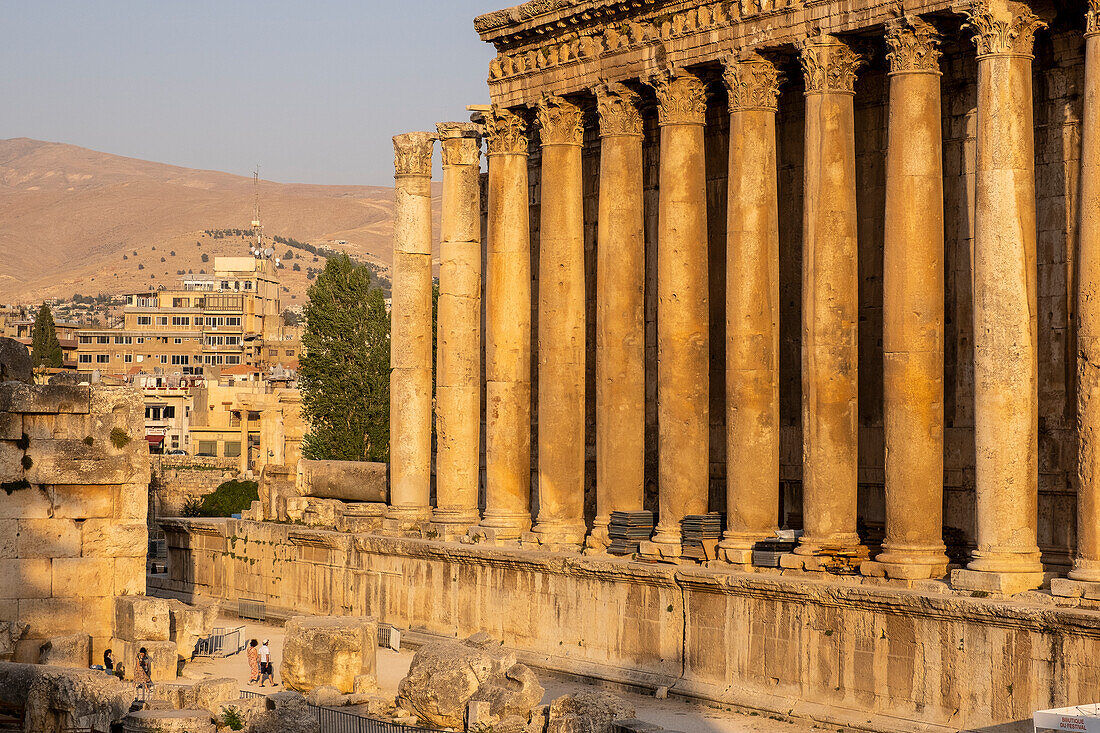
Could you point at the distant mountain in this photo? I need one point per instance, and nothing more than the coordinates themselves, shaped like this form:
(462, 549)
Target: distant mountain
(74, 220)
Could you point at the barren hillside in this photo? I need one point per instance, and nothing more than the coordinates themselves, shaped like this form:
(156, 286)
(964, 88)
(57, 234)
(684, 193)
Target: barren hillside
(74, 220)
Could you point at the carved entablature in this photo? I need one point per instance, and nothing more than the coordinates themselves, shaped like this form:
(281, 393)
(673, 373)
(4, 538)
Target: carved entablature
(412, 153)
(505, 132)
(618, 108)
(681, 98)
(460, 143)
(1002, 27)
(753, 83)
(561, 121)
(828, 65)
(913, 45)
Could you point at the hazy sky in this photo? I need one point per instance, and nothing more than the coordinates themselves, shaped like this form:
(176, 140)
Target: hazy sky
(311, 90)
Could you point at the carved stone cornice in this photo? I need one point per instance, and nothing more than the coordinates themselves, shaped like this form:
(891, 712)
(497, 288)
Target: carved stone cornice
(1002, 27)
(561, 121)
(412, 154)
(460, 143)
(753, 83)
(828, 65)
(913, 45)
(681, 98)
(618, 108)
(505, 132)
(1092, 18)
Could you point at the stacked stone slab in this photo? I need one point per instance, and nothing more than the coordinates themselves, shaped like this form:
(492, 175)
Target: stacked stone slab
(74, 475)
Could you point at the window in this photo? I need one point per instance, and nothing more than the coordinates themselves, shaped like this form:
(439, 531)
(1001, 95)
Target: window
(169, 411)
(232, 359)
(162, 320)
(120, 339)
(181, 359)
(128, 358)
(272, 352)
(102, 358)
(181, 320)
(144, 321)
(103, 339)
(175, 441)
(207, 448)
(140, 357)
(177, 341)
(141, 339)
(232, 448)
(85, 359)
(85, 339)
(290, 352)
(180, 302)
(164, 358)
(232, 320)
(152, 413)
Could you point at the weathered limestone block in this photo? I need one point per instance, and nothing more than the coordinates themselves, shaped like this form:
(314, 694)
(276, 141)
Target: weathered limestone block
(363, 516)
(26, 578)
(48, 538)
(44, 399)
(76, 462)
(112, 538)
(74, 650)
(445, 676)
(189, 624)
(15, 362)
(47, 617)
(11, 632)
(328, 651)
(11, 426)
(326, 696)
(245, 710)
(82, 501)
(588, 712)
(346, 480)
(59, 699)
(142, 617)
(169, 721)
(210, 695)
(82, 576)
(286, 712)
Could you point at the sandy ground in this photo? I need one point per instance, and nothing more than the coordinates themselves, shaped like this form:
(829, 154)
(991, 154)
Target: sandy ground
(673, 714)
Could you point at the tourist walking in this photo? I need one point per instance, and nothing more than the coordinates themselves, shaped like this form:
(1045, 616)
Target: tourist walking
(267, 670)
(141, 670)
(253, 662)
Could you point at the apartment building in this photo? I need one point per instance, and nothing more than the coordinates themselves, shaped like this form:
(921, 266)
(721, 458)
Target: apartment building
(221, 320)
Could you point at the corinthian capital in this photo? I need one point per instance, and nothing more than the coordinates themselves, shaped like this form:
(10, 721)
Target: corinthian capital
(1002, 27)
(618, 108)
(460, 143)
(753, 83)
(505, 132)
(681, 98)
(412, 154)
(1092, 18)
(828, 64)
(913, 43)
(562, 122)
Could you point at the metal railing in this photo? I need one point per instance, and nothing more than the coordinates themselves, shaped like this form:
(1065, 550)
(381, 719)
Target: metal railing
(389, 637)
(252, 609)
(222, 642)
(331, 720)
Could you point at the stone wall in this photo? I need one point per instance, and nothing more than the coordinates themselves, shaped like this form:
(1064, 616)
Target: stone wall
(179, 478)
(74, 474)
(865, 653)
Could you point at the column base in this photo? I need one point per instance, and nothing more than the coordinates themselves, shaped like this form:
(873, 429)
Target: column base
(504, 526)
(1071, 588)
(907, 562)
(664, 552)
(446, 531)
(736, 547)
(983, 581)
(550, 543)
(405, 521)
(597, 540)
(453, 522)
(1086, 571)
(558, 532)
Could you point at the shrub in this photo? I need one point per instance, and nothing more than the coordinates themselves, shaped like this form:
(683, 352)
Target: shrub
(232, 497)
(119, 438)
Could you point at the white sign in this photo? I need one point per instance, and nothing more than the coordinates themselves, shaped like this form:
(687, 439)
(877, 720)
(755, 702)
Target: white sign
(1085, 718)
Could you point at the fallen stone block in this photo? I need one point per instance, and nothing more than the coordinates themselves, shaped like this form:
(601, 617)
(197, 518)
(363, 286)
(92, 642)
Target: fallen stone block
(15, 362)
(57, 699)
(190, 623)
(169, 721)
(345, 480)
(163, 659)
(74, 650)
(588, 712)
(326, 696)
(287, 712)
(209, 695)
(142, 617)
(11, 632)
(332, 650)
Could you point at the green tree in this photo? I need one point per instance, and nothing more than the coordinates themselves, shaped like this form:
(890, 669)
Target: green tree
(45, 348)
(344, 373)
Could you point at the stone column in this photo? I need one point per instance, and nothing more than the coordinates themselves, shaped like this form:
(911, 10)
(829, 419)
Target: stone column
(411, 334)
(830, 309)
(244, 441)
(1006, 412)
(561, 326)
(912, 335)
(752, 309)
(507, 330)
(620, 315)
(458, 352)
(683, 348)
(1086, 566)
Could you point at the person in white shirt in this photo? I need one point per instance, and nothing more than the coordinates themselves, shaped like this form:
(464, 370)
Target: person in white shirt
(267, 670)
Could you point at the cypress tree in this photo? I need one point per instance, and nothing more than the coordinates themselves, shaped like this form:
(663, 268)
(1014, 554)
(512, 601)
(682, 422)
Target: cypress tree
(344, 372)
(45, 349)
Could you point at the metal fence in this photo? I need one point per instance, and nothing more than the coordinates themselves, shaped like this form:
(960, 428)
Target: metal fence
(389, 637)
(332, 720)
(222, 642)
(255, 610)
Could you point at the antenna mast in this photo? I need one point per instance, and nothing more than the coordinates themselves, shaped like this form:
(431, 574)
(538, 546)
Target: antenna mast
(257, 227)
